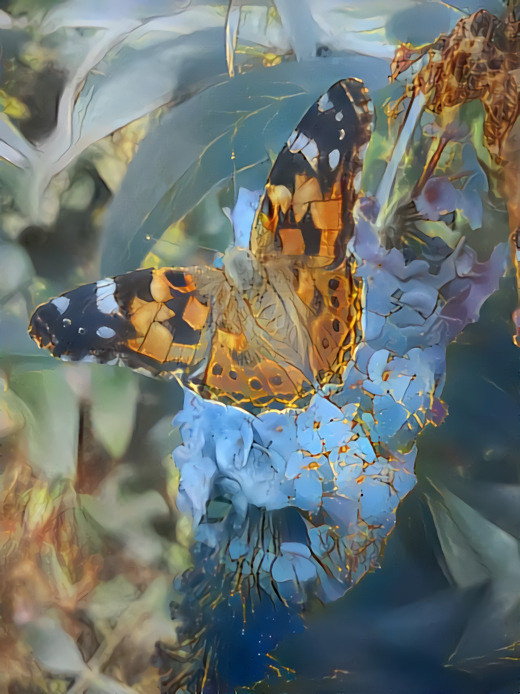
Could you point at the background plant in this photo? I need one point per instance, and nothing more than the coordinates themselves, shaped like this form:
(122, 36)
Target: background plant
(126, 130)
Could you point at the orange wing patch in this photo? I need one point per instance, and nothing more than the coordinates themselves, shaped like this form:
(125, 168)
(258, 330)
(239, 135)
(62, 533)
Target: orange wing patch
(196, 313)
(244, 376)
(170, 328)
(292, 241)
(326, 214)
(155, 343)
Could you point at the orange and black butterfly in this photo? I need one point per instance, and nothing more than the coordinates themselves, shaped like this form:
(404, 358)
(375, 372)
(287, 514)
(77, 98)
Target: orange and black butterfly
(280, 318)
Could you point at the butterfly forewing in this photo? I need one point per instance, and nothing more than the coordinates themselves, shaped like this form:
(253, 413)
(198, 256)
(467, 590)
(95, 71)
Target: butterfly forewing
(305, 218)
(159, 320)
(306, 209)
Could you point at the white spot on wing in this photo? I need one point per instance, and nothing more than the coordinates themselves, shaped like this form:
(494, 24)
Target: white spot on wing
(334, 158)
(105, 332)
(339, 115)
(299, 143)
(324, 103)
(341, 134)
(292, 138)
(61, 303)
(105, 300)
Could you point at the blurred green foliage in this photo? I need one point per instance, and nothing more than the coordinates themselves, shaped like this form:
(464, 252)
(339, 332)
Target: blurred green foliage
(125, 128)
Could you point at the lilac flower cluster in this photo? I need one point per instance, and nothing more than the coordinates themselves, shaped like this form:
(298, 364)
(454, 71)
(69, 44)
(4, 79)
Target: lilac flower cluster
(300, 501)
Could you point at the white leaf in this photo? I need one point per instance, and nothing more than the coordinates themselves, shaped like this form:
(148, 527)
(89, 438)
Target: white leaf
(106, 13)
(13, 145)
(6, 21)
(299, 25)
(138, 80)
(55, 650)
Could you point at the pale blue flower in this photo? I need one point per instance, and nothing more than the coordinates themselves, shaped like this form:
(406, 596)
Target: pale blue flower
(300, 501)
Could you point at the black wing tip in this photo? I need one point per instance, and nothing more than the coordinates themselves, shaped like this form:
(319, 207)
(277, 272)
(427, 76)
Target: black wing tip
(71, 333)
(64, 328)
(48, 329)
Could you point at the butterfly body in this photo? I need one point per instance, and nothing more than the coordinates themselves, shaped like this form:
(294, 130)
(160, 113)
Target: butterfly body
(280, 318)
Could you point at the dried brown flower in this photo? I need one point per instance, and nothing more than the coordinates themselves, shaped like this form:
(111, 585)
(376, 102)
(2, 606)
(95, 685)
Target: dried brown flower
(478, 60)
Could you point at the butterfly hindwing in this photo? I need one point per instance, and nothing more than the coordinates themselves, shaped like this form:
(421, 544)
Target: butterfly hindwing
(306, 209)
(244, 373)
(158, 320)
(334, 298)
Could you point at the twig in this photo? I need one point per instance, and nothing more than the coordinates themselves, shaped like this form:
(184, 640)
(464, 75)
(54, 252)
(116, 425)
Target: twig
(430, 167)
(232, 23)
(386, 185)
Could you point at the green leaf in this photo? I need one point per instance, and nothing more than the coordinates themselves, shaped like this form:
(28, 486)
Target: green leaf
(114, 394)
(474, 549)
(129, 517)
(52, 422)
(15, 341)
(54, 649)
(423, 24)
(143, 75)
(218, 135)
(15, 268)
(478, 552)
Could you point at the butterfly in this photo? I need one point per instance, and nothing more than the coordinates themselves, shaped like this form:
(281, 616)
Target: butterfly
(279, 319)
